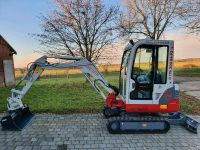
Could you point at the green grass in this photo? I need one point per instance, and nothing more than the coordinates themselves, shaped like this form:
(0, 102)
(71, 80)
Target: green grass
(187, 72)
(189, 104)
(61, 95)
(74, 95)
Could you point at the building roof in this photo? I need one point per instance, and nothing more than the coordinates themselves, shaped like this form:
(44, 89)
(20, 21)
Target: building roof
(7, 44)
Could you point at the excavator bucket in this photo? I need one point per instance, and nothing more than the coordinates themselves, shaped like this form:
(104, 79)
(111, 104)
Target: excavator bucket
(17, 120)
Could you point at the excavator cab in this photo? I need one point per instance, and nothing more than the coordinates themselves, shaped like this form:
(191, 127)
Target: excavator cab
(146, 77)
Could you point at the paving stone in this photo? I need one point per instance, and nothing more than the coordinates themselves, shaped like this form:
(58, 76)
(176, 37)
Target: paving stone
(19, 148)
(88, 131)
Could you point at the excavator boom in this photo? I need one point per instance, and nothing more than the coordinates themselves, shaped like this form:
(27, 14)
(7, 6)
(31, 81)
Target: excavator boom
(19, 114)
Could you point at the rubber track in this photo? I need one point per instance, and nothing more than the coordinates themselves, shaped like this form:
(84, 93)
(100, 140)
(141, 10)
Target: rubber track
(127, 118)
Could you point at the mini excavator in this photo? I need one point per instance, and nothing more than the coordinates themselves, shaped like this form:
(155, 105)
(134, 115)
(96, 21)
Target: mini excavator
(147, 100)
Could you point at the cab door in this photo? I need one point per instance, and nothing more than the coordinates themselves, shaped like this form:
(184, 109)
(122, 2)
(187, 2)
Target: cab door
(142, 75)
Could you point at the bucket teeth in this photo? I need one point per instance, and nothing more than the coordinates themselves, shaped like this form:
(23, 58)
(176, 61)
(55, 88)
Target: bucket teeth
(17, 120)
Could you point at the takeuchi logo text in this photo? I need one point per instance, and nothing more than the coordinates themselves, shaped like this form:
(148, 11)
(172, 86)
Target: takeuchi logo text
(170, 64)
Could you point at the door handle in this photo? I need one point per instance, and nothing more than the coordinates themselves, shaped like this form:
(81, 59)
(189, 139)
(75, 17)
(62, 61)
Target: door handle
(133, 85)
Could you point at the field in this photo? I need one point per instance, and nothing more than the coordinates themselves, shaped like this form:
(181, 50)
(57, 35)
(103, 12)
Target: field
(187, 67)
(184, 67)
(74, 95)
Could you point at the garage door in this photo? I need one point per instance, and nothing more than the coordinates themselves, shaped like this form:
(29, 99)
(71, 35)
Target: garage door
(9, 72)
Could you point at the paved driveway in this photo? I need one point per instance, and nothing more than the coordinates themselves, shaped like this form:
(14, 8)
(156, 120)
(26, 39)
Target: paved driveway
(191, 88)
(88, 131)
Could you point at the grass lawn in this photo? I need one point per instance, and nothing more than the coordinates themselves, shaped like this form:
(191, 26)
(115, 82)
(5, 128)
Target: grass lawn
(189, 104)
(73, 95)
(188, 72)
(61, 95)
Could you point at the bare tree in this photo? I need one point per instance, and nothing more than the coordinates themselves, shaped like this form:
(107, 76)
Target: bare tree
(191, 16)
(149, 18)
(78, 28)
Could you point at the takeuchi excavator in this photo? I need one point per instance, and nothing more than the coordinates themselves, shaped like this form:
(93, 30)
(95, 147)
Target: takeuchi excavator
(147, 100)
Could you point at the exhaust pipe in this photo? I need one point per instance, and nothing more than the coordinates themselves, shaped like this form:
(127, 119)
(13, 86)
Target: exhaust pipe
(17, 120)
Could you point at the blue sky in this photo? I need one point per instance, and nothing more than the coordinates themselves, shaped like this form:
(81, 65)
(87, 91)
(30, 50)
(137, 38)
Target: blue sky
(19, 18)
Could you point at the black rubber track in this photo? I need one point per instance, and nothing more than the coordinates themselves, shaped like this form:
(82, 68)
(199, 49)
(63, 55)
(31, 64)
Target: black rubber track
(141, 125)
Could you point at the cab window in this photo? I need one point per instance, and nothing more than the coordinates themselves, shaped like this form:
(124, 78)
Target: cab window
(123, 73)
(161, 73)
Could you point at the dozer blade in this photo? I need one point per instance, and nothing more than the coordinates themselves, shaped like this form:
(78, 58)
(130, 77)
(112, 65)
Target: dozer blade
(190, 124)
(17, 120)
(137, 125)
(181, 119)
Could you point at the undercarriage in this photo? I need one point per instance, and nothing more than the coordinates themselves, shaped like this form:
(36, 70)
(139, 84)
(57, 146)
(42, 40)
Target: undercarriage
(120, 122)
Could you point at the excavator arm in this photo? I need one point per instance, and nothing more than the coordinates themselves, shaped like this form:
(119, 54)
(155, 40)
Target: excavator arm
(90, 71)
(18, 111)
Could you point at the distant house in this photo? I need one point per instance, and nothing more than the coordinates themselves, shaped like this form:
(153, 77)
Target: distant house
(7, 73)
